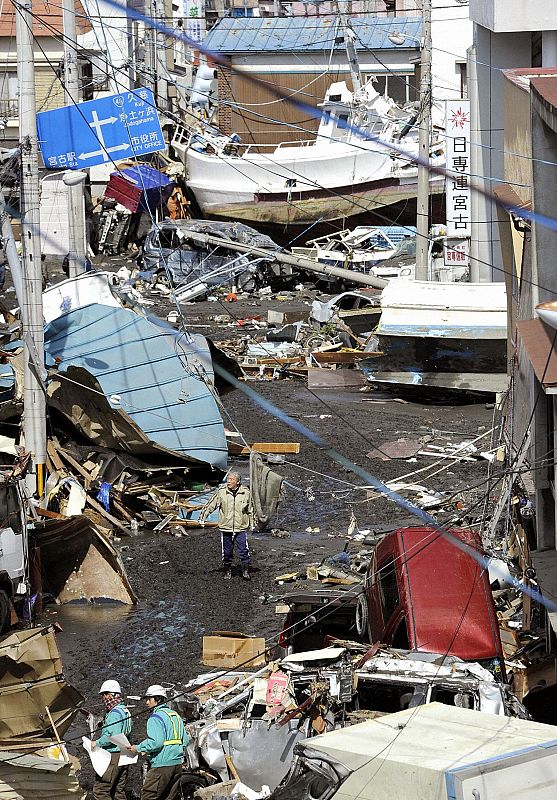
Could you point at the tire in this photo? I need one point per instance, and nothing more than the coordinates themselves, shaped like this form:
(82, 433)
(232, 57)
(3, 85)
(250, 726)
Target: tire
(362, 616)
(190, 783)
(4, 612)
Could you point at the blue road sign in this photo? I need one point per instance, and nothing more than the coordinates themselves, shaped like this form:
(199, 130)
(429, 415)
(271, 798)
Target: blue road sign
(100, 131)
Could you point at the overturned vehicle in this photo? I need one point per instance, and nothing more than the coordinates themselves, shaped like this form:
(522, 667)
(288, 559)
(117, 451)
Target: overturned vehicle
(174, 251)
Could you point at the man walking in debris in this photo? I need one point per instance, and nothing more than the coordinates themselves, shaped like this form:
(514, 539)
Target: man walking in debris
(235, 508)
(164, 746)
(117, 719)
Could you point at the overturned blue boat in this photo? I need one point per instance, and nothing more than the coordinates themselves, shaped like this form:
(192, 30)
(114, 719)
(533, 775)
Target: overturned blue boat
(131, 383)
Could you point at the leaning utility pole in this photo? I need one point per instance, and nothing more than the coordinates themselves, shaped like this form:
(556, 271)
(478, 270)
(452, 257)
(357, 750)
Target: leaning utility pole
(77, 240)
(348, 35)
(34, 422)
(422, 210)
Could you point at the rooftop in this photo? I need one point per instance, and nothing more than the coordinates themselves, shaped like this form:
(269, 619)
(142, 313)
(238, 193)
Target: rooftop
(47, 20)
(287, 34)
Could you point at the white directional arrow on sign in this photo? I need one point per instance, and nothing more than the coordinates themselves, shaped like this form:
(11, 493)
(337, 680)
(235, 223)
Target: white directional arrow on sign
(104, 151)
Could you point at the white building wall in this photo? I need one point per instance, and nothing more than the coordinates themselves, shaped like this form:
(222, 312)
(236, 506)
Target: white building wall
(112, 35)
(507, 16)
(452, 34)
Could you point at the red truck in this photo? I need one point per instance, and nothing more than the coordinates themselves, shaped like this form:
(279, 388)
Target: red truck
(423, 592)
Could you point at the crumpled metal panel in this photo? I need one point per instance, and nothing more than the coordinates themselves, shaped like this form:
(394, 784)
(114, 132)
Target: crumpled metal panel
(262, 754)
(143, 378)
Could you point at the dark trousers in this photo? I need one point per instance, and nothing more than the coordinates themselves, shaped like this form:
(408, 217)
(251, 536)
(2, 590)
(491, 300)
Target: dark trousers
(240, 540)
(162, 783)
(112, 785)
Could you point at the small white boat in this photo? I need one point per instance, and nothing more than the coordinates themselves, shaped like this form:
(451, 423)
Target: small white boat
(347, 169)
(360, 249)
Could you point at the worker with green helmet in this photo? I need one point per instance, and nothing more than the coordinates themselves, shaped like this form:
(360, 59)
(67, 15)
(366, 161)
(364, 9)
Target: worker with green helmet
(117, 719)
(164, 747)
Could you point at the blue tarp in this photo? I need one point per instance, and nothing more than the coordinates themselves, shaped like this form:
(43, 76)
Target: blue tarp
(147, 370)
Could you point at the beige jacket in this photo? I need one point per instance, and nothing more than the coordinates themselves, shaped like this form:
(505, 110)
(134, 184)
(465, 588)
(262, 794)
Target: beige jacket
(235, 509)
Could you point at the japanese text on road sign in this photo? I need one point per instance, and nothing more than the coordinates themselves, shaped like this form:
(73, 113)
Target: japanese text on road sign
(100, 131)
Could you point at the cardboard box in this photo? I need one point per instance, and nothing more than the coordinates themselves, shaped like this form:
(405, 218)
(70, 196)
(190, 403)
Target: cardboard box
(233, 649)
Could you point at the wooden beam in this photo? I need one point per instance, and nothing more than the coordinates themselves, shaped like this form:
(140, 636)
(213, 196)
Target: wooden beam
(287, 448)
(90, 500)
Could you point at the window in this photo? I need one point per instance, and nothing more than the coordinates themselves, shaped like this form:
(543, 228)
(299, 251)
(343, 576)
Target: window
(9, 93)
(400, 87)
(388, 589)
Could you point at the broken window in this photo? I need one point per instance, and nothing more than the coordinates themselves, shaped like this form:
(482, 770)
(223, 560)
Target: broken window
(387, 697)
(167, 238)
(453, 697)
(388, 589)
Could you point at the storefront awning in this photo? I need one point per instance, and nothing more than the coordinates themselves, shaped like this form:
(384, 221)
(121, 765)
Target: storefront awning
(540, 343)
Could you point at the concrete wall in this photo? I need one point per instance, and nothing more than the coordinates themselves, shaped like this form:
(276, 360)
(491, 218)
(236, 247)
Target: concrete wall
(506, 16)
(452, 35)
(494, 52)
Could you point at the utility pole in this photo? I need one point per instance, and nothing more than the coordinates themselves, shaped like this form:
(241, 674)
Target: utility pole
(76, 206)
(161, 60)
(422, 210)
(348, 35)
(34, 424)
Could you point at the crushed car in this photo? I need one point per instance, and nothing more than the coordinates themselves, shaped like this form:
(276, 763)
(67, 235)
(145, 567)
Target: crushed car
(170, 256)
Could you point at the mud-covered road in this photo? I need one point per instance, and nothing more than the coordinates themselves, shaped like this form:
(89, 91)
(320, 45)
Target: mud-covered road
(181, 591)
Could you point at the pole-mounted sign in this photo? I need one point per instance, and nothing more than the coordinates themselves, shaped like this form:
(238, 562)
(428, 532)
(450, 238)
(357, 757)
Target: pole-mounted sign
(100, 131)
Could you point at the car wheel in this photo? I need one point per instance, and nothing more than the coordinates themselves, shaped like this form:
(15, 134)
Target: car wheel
(189, 785)
(362, 615)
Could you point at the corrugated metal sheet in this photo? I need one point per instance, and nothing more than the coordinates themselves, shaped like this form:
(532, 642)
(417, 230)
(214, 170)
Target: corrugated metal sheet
(147, 372)
(287, 34)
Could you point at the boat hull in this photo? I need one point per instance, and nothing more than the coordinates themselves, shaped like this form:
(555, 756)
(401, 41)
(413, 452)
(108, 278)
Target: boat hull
(442, 335)
(262, 190)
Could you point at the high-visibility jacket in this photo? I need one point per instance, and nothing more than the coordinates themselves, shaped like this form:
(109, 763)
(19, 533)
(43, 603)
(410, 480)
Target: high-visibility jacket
(166, 738)
(118, 720)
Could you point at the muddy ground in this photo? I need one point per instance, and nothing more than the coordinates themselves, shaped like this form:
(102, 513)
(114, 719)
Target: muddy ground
(178, 581)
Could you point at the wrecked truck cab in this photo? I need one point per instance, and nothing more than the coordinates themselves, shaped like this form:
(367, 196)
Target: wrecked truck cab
(426, 593)
(313, 615)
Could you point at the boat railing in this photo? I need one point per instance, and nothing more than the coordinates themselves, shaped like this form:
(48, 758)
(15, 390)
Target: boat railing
(245, 149)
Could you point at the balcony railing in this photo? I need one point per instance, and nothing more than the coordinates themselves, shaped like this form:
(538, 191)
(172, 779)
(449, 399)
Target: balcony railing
(9, 109)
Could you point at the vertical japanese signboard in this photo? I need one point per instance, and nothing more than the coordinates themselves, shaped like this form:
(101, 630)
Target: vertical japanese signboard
(457, 146)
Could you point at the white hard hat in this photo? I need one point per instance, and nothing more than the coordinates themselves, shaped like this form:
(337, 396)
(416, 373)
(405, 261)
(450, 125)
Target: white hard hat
(155, 691)
(110, 686)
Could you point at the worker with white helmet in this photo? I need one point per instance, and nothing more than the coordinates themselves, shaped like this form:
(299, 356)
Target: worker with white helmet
(164, 746)
(117, 719)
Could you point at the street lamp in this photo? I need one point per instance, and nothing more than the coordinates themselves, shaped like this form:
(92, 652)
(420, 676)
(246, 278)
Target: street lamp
(74, 180)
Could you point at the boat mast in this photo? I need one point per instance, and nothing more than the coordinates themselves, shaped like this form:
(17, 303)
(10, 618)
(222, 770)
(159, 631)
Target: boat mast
(34, 422)
(422, 210)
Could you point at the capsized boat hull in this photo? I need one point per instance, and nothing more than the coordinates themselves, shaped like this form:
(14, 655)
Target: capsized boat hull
(451, 335)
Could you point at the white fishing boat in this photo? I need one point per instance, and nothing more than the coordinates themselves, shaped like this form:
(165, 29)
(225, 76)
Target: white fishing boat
(347, 169)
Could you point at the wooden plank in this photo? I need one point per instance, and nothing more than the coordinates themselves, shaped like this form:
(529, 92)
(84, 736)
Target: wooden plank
(90, 500)
(43, 512)
(54, 457)
(343, 357)
(286, 448)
